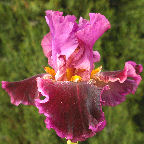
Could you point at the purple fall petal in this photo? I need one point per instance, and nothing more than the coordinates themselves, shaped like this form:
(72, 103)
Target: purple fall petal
(120, 83)
(72, 109)
(117, 92)
(22, 92)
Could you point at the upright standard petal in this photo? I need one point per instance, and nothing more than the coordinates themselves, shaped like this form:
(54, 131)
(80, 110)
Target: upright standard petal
(22, 92)
(120, 83)
(62, 28)
(90, 31)
(73, 41)
(72, 109)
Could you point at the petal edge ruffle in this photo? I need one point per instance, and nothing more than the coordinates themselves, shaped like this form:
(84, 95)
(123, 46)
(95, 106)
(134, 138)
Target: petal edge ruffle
(120, 83)
(22, 92)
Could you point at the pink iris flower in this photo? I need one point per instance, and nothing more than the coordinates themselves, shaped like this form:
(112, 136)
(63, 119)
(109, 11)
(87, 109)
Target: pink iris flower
(74, 92)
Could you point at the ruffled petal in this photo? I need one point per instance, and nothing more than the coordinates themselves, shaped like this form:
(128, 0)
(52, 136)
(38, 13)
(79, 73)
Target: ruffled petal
(133, 71)
(90, 31)
(116, 92)
(47, 48)
(137, 67)
(120, 83)
(72, 109)
(87, 33)
(82, 23)
(62, 28)
(113, 76)
(22, 92)
(67, 36)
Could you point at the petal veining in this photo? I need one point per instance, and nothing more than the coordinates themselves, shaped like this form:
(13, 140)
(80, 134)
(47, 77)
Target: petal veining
(73, 109)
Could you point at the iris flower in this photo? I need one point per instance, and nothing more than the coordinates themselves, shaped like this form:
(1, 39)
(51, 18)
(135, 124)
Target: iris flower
(74, 92)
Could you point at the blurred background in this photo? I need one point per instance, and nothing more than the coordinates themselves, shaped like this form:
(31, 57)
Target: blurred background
(22, 27)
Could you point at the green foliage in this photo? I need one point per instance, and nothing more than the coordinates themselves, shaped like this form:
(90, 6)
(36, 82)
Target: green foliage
(22, 26)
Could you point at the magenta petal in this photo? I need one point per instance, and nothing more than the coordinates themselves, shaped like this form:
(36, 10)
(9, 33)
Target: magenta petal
(138, 67)
(47, 48)
(87, 33)
(130, 71)
(91, 30)
(96, 56)
(62, 28)
(67, 37)
(86, 60)
(72, 109)
(112, 76)
(61, 64)
(47, 44)
(133, 71)
(120, 83)
(24, 91)
(117, 92)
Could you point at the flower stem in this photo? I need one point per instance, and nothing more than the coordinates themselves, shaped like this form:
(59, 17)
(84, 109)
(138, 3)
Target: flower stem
(69, 142)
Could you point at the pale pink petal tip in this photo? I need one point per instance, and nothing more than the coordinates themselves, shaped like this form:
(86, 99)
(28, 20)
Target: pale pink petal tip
(96, 56)
(73, 110)
(4, 83)
(138, 67)
(46, 44)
